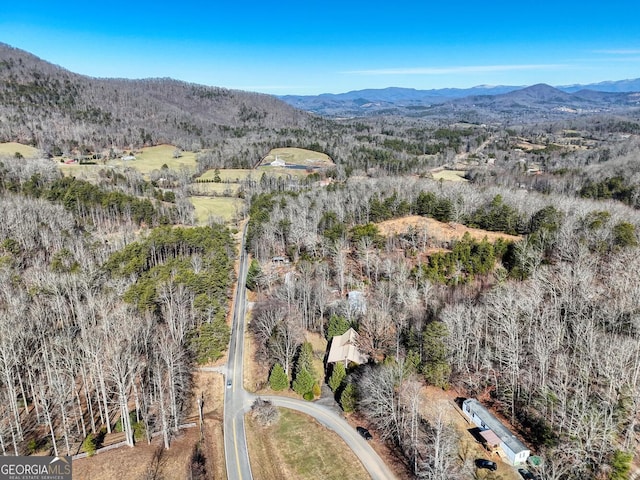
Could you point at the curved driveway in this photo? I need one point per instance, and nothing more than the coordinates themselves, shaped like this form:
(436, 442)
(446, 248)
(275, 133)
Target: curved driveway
(237, 402)
(327, 417)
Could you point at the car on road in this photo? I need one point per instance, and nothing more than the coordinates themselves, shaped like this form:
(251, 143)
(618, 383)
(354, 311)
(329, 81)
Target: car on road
(488, 464)
(364, 433)
(228, 383)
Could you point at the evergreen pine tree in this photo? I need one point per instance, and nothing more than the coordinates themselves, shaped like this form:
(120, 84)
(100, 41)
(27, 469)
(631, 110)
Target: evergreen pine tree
(348, 398)
(436, 369)
(278, 379)
(303, 382)
(337, 376)
(337, 326)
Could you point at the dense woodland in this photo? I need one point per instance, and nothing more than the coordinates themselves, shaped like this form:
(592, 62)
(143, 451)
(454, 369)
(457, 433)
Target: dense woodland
(101, 325)
(110, 296)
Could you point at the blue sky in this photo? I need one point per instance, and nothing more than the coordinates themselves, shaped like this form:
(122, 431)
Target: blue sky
(331, 46)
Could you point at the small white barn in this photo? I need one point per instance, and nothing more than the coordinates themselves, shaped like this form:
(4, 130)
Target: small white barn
(344, 349)
(495, 433)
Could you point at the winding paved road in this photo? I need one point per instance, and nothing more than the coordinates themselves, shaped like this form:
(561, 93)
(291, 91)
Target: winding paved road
(237, 402)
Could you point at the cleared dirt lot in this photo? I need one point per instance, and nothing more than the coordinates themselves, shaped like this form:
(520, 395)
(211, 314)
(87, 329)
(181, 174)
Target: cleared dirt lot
(439, 231)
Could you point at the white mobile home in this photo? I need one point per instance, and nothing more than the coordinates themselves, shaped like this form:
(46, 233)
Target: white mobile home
(495, 433)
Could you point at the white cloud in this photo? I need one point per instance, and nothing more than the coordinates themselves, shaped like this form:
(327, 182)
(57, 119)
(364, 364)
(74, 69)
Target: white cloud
(454, 70)
(628, 51)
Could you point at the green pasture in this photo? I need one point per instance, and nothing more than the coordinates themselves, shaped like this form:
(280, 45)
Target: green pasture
(9, 149)
(221, 207)
(450, 175)
(153, 158)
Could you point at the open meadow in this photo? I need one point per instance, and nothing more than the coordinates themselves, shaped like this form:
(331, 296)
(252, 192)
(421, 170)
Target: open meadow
(148, 159)
(450, 175)
(225, 208)
(9, 149)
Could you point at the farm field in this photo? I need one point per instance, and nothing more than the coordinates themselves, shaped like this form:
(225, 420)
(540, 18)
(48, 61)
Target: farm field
(439, 231)
(450, 175)
(153, 158)
(224, 208)
(299, 447)
(147, 160)
(90, 173)
(9, 149)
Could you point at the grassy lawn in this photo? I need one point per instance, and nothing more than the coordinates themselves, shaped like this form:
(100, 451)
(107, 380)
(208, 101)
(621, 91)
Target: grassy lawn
(450, 175)
(9, 149)
(298, 447)
(153, 158)
(221, 207)
(90, 173)
(234, 175)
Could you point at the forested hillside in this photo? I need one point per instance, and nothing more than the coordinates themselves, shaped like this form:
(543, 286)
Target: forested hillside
(55, 110)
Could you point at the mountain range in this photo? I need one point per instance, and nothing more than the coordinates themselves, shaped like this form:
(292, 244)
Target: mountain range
(494, 101)
(52, 108)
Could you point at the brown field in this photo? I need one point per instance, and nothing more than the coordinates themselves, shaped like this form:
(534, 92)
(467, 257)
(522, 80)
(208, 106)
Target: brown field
(90, 173)
(439, 231)
(220, 189)
(526, 145)
(298, 447)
